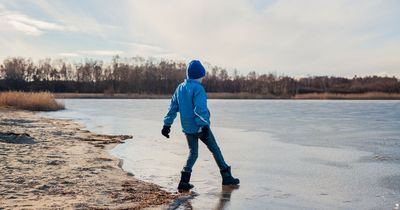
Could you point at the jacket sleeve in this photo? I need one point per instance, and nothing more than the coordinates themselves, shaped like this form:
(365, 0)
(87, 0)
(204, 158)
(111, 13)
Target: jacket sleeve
(202, 115)
(172, 111)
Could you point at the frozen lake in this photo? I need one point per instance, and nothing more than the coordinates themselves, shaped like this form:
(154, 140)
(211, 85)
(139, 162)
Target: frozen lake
(288, 154)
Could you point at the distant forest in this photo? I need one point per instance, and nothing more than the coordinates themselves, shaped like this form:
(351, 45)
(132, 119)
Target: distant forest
(149, 76)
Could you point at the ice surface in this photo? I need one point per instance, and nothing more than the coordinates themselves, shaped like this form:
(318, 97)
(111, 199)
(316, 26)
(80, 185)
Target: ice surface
(287, 154)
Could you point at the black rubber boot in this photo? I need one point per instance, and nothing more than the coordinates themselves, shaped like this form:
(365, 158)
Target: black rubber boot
(184, 184)
(227, 178)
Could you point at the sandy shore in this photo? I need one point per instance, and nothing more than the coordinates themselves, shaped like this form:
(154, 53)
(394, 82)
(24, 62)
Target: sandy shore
(51, 163)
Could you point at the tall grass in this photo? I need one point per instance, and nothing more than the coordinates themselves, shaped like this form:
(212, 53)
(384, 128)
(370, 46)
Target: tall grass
(33, 101)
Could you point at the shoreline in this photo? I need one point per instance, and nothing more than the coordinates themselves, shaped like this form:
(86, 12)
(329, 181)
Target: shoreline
(244, 96)
(55, 163)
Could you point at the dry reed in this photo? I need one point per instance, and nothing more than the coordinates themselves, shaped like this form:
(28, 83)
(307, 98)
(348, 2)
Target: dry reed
(33, 101)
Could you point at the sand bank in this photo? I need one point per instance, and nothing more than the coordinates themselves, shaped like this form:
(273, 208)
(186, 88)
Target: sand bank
(52, 163)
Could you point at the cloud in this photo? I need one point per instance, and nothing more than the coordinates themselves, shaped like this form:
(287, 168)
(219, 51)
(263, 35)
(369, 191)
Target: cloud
(68, 54)
(79, 19)
(147, 50)
(26, 24)
(101, 52)
(295, 37)
(310, 37)
(94, 53)
(141, 48)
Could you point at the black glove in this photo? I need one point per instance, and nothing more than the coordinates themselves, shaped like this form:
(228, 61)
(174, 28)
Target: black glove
(165, 130)
(203, 135)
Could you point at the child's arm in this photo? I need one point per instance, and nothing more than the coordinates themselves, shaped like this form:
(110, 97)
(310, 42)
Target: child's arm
(200, 107)
(173, 109)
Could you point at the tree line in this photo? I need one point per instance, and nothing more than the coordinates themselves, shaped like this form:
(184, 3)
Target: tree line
(150, 76)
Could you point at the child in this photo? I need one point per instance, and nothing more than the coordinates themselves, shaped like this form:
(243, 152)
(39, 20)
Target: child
(191, 101)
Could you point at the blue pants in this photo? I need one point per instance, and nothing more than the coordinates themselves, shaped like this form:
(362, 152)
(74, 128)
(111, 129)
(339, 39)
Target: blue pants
(193, 143)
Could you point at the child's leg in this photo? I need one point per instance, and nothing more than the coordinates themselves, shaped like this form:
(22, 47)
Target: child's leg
(193, 144)
(214, 149)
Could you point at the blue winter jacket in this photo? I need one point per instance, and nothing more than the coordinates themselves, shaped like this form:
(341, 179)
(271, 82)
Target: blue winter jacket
(190, 100)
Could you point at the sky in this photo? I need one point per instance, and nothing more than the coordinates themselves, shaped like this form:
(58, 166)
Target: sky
(289, 37)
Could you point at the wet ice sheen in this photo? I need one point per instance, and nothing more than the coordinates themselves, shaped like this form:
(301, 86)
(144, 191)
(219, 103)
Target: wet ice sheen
(287, 154)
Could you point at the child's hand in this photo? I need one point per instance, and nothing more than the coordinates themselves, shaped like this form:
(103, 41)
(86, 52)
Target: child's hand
(165, 130)
(203, 135)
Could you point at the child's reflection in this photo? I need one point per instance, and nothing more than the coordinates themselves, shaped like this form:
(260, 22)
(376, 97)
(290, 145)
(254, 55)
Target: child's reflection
(225, 196)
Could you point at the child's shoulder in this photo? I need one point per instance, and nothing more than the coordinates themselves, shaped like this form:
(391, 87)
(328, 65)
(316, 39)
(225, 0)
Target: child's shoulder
(198, 88)
(195, 86)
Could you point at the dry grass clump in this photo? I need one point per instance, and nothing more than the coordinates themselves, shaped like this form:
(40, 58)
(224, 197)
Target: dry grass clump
(352, 96)
(33, 101)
